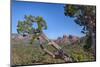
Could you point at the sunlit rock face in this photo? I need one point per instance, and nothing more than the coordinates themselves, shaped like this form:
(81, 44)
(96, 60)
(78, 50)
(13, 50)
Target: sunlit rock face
(66, 40)
(74, 40)
(62, 40)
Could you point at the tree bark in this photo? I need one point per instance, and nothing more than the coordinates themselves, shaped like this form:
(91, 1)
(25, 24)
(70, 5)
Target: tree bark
(93, 43)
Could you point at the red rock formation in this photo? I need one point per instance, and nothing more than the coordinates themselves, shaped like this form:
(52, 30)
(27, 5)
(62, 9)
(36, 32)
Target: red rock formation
(67, 40)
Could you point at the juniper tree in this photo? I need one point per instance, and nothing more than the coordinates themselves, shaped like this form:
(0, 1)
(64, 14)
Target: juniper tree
(26, 27)
(84, 16)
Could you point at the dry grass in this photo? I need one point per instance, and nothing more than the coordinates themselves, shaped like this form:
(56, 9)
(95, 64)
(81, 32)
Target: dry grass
(32, 54)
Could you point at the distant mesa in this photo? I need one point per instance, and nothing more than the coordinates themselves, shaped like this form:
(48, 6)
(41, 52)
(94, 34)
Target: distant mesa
(67, 40)
(60, 40)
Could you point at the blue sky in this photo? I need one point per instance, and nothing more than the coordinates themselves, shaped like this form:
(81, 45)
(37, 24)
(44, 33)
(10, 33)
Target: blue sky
(58, 24)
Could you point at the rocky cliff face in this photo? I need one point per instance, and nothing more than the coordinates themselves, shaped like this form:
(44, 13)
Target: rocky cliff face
(67, 40)
(62, 40)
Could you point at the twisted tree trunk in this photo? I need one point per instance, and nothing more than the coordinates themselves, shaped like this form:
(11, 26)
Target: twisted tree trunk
(56, 46)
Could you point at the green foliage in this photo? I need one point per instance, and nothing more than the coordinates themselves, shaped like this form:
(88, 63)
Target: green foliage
(77, 53)
(70, 10)
(89, 42)
(84, 16)
(26, 27)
